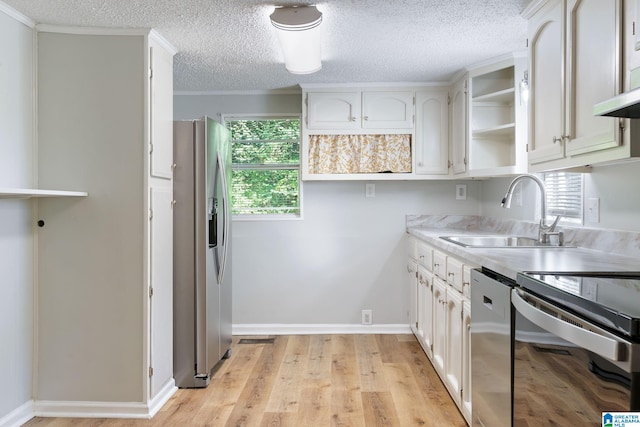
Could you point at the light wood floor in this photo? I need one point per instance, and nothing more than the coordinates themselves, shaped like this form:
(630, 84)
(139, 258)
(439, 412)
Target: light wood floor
(309, 380)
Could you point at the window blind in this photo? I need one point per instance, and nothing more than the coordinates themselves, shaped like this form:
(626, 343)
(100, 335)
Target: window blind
(564, 194)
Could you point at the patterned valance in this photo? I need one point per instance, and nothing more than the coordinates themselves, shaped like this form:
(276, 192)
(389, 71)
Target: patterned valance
(338, 154)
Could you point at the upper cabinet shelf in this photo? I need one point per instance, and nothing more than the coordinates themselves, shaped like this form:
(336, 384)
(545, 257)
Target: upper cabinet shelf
(501, 96)
(31, 192)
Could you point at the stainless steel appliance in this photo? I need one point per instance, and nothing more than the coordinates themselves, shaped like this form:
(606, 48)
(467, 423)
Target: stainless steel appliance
(576, 348)
(491, 349)
(202, 250)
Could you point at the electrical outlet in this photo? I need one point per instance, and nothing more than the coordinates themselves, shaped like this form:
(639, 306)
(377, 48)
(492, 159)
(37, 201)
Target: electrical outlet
(590, 290)
(367, 317)
(370, 190)
(593, 210)
(461, 191)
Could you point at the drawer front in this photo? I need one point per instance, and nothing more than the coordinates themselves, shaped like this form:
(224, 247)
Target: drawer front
(454, 273)
(425, 256)
(413, 248)
(466, 280)
(440, 264)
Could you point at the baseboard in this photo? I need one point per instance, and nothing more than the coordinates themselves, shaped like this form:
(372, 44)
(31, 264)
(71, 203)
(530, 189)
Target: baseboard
(44, 408)
(315, 329)
(18, 416)
(162, 397)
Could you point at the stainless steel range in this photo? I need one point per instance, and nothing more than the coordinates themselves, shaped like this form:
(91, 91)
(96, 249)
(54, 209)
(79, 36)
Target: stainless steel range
(576, 347)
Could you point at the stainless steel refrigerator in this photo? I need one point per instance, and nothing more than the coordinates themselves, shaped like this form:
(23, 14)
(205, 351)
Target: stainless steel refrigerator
(202, 250)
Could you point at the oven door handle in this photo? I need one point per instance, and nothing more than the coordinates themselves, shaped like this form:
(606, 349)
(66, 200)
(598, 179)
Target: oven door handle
(605, 346)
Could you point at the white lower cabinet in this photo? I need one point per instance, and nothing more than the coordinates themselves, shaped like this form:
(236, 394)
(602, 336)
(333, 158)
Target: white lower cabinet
(453, 340)
(425, 310)
(440, 317)
(465, 390)
(439, 325)
(412, 282)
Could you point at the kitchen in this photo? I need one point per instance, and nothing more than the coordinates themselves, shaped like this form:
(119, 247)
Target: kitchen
(292, 263)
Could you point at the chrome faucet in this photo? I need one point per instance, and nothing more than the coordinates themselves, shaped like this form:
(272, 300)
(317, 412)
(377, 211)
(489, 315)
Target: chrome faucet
(544, 231)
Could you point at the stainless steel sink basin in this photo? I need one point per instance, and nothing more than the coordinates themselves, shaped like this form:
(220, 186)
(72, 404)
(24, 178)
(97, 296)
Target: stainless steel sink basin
(497, 241)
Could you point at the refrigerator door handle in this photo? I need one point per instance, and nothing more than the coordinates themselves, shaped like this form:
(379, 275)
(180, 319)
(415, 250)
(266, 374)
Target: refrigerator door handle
(225, 218)
(213, 222)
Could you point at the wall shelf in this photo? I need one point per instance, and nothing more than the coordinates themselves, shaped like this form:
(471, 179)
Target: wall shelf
(32, 192)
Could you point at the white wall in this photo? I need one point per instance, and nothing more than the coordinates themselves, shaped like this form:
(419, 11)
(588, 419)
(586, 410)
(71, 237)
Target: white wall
(346, 255)
(615, 186)
(16, 216)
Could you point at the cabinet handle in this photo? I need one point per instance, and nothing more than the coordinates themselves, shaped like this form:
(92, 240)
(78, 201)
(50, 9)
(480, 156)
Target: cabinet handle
(366, 117)
(353, 119)
(557, 139)
(567, 137)
(420, 164)
(435, 264)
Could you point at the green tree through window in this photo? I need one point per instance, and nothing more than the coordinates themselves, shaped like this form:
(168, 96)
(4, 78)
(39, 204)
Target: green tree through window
(265, 157)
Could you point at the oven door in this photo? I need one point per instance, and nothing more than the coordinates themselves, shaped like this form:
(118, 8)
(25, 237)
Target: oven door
(566, 371)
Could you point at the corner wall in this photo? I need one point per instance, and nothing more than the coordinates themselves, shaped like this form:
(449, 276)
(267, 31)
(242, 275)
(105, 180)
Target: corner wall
(16, 218)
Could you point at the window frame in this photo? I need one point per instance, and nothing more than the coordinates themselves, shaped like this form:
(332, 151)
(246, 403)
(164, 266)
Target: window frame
(269, 217)
(573, 220)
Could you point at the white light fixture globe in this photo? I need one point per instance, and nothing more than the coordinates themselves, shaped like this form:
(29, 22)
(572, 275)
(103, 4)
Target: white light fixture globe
(299, 34)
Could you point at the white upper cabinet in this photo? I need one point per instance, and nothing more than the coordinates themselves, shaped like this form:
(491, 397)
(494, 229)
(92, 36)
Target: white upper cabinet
(161, 103)
(631, 44)
(360, 110)
(432, 139)
(459, 127)
(497, 118)
(333, 110)
(575, 58)
(387, 110)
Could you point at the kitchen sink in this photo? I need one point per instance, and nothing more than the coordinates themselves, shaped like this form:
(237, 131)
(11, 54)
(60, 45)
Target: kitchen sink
(497, 241)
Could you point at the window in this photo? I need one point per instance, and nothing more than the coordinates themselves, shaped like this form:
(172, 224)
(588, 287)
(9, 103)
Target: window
(265, 166)
(564, 195)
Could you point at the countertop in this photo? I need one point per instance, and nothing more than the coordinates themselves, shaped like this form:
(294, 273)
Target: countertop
(510, 261)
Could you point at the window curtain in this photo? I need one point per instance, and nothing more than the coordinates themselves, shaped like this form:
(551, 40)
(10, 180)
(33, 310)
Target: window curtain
(338, 154)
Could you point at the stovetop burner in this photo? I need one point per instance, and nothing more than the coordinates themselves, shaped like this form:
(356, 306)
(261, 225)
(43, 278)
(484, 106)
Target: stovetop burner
(609, 299)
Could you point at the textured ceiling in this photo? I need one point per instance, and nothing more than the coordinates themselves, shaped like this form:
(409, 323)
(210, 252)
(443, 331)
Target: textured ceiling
(230, 45)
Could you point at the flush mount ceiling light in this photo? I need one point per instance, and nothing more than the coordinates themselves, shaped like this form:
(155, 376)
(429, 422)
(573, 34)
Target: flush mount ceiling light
(299, 34)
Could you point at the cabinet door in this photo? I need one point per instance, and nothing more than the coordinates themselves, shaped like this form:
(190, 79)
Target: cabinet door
(412, 282)
(453, 350)
(161, 112)
(333, 110)
(593, 75)
(161, 281)
(546, 104)
(425, 306)
(387, 110)
(432, 133)
(459, 127)
(631, 42)
(465, 391)
(439, 325)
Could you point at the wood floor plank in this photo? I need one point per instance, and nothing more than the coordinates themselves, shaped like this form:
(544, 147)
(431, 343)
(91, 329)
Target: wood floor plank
(328, 377)
(372, 376)
(227, 385)
(319, 362)
(255, 395)
(379, 409)
(287, 388)
(346, 408)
